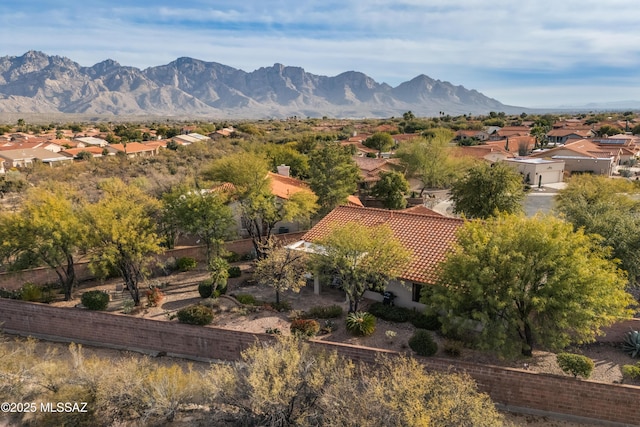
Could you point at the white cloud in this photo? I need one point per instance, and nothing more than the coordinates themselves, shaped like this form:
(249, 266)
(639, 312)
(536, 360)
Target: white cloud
(460, 41)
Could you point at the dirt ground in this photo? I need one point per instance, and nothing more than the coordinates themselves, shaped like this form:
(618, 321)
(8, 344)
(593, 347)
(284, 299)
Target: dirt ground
(180, 290)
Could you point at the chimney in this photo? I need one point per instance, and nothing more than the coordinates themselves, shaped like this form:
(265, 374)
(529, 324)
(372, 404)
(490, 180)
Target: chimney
(283, 170)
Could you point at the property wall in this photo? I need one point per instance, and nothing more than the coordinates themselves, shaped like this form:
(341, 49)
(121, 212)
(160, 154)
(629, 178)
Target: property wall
(512, 388)
(597, 167)
(42, 276)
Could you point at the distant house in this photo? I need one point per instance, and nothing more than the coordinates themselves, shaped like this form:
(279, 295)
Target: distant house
(283, 187)
(189, 139)
(537, 171)
(90, 140)
(562, 135)
(134, 149)
(75, 152)
(370, 170)
(583, 156)
(223, 133)
(509, 131)
(491, 153)
(427, 236)
(478, 135)
(627, 147)
(25, 157)
(516, 145)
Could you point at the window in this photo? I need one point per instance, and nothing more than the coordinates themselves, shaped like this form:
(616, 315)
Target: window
(415, 292)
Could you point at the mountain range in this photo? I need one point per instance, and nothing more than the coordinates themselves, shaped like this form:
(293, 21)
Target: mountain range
(39, 83)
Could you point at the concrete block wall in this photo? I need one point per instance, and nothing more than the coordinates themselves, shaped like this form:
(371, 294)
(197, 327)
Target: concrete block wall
(42, 276)
(610, 403)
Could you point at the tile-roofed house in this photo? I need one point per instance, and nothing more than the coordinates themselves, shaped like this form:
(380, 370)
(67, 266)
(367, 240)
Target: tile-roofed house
(285, 186)
(563, 135)
(21, 144)
(135, 149)
(510, 131)
(90, 140)
(24, 157)
(516, 145)
(74, 152)
(583, 155)
(479, 135)
(491, 153)
(427, 236)
(422, 210)
(371, 168)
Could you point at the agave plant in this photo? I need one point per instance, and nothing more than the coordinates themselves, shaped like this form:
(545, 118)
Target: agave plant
(631, 343)
(361, 323)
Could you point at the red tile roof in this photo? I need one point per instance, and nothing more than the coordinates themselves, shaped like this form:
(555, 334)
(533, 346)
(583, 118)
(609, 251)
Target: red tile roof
(428, 237)
(133, 147)
(285, 186)
(422, 210)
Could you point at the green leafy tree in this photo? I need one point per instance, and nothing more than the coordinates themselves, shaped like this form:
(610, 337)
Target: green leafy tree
(380, 141)
(287, 155)
(204, 214)
(609, 208)
(431, 160)
(48, 230)
(539, 132)
(391, 189)
(527, 283)
(260, 209)
(282, 269)
(362, 258)
(333, 175)
(487, 190)
(123, 233)
(608, 130)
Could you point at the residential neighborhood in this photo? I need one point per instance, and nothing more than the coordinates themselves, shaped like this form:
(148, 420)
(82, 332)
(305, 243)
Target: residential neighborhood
(404, 236)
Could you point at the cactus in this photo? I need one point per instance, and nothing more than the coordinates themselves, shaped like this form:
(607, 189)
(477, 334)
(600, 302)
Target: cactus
(631, 343)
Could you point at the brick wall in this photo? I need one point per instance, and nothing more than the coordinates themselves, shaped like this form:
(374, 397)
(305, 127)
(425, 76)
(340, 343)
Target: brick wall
(510, 387)
(42, 276)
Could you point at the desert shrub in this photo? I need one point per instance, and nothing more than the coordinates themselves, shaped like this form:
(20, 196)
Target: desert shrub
(429, 322)
(280, 306)
(186, 263)
(422, 343)
(324, 312)
(273, 331)
(195, 315)
(631, 371)
(389, 312)
(31, 292)
(361, 323)
(95, 300)
(453, 348)
(154, 297)
(575, 364)
(297, 314)
(246, 299)
(234, 271)
(233, 257)
(631, 343)
(328, 327)
(205, 288)
(304, 327)
(10, 294)
(127, 306)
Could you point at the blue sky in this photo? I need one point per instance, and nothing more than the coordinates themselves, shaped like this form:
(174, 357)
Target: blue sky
(528, 53)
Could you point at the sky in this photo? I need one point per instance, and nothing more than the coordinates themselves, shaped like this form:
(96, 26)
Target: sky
(529, 53)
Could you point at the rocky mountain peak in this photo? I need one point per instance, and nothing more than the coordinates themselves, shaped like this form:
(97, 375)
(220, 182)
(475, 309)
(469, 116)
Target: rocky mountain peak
(187, 86)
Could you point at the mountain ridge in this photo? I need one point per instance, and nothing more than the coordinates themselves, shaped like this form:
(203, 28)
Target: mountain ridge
(39, 83)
